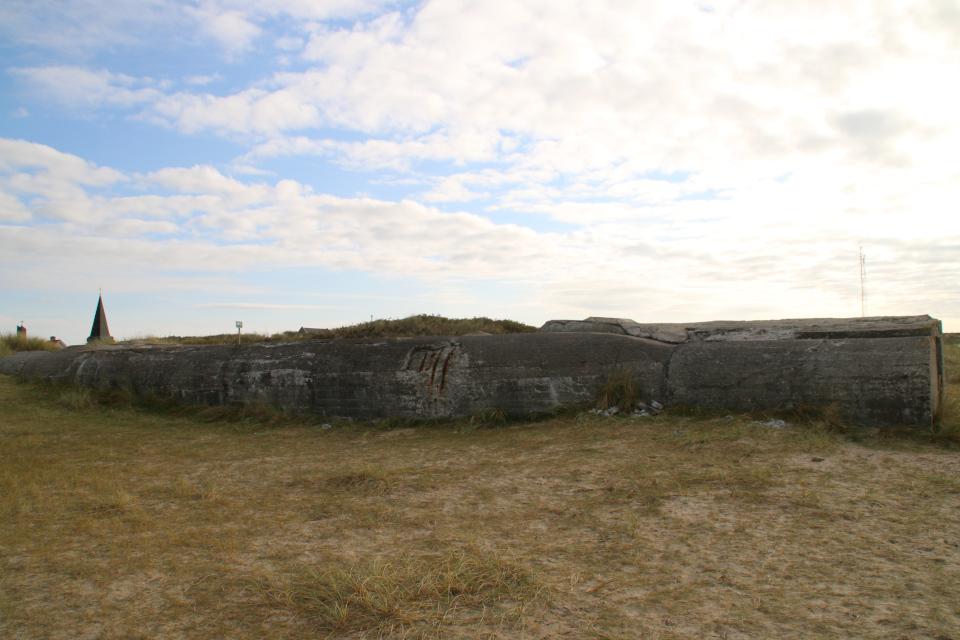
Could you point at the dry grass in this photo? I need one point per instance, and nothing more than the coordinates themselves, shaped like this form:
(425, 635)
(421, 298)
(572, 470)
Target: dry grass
(14, 342)
(403, 596)
(619, 390)
(250, 337)
(426, 325)
(947, 425)
(123, 517)
(418, 325)
(951, 357)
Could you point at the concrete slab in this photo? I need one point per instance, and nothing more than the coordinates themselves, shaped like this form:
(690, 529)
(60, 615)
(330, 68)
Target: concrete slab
(877, 371)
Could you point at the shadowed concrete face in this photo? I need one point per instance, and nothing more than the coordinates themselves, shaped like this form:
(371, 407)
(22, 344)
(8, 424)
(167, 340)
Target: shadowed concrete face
(366, 379)
(876, 371)
(880, 370)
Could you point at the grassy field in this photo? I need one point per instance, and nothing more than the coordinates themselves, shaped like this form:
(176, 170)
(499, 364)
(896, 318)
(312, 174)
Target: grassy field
(130, 518)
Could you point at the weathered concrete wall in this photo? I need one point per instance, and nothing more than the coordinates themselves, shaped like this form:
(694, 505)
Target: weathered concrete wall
(875, 370)
(753, 330)
(366, 379)
(880, 370)
(871, 380)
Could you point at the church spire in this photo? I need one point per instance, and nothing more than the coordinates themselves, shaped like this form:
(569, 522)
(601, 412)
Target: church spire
(100, 331)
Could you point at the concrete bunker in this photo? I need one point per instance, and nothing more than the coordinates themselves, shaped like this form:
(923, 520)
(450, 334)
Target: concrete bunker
(876, 371)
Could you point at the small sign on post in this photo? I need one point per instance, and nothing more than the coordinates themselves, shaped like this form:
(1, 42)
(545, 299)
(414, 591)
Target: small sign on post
(239, 326)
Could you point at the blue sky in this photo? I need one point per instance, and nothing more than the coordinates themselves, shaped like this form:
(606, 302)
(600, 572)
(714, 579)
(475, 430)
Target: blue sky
(319, 162)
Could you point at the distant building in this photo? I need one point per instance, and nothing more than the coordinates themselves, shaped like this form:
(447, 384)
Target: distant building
(99, 331)
(22, 331)
(57, 341)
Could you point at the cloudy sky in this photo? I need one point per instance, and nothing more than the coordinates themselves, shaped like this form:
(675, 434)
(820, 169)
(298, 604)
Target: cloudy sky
(319, 162)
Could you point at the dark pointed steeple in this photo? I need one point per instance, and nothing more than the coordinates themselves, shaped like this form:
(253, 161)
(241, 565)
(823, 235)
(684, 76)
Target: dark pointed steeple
(100, 331)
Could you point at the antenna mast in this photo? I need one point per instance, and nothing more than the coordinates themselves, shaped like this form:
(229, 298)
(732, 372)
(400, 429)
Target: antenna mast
(863, 283)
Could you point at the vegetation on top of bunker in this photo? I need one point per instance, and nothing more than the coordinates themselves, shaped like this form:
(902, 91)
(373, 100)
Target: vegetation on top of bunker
(412, 326)
(14, 342)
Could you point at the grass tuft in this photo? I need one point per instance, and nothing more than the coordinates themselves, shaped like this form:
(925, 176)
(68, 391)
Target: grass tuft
(370, 480)
(400, 595)
(485, 418)
(619, 390)
(824, 418)
(115, 502)
(77, 398)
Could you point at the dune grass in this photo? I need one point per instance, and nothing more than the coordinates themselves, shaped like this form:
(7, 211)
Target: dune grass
(251, 337)
(129, 517)
(14, 342)
(426, 325)
(417, 325)
(951, 357)
(947, 423)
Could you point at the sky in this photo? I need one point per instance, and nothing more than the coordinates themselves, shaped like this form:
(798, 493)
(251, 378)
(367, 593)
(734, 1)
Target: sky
(323, 162)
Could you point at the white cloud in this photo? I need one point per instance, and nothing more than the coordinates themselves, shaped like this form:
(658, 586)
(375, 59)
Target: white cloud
(12, 210)
(77, 26)
(603, 95)
(55, 182)
(79, 88)
(81, 27)
(727, 160)
(207, 180)
(55, 166)
(774, 247)
(203, 80)
(288, 43)
(575, 89)
(254, 111)
(231, 29)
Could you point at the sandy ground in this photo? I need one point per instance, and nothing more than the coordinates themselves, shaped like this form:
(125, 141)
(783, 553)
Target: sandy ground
(118, 524)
